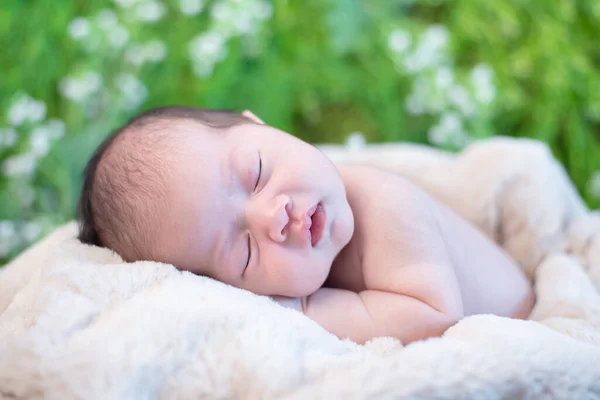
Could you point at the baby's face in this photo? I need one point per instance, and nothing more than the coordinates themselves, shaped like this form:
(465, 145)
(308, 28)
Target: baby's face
(254, 207)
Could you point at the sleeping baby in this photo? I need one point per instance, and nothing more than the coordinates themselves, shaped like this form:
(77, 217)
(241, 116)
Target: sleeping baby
(363, 252)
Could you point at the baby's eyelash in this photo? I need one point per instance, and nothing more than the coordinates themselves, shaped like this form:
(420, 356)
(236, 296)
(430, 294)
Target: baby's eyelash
(249, 251)
(259, 172)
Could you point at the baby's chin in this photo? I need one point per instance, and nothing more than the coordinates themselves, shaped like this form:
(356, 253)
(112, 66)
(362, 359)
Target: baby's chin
(305, 286)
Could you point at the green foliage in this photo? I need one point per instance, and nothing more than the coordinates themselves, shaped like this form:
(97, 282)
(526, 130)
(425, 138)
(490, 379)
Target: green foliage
(442, 72)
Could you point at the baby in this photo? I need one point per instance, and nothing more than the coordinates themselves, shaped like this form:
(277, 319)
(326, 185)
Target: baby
(363, 252)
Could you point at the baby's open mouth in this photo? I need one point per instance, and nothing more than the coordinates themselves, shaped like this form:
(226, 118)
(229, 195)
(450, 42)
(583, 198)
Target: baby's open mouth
(317, 225)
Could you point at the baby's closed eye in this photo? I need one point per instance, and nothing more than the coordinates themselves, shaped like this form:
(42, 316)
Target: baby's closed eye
(258, 174)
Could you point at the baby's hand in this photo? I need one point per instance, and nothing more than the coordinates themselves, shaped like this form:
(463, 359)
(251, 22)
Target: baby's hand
(296, 303)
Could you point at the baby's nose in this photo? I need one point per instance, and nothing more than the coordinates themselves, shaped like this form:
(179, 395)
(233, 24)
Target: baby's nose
(273, 218)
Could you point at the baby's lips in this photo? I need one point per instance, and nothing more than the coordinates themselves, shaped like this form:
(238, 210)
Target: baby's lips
(306, 224)
(319, 218)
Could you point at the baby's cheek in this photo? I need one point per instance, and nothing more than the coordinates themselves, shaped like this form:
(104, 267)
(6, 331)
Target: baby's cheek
(277, 262)
(289, 270)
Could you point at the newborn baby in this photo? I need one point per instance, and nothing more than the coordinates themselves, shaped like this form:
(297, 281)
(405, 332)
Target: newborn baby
(363, 252)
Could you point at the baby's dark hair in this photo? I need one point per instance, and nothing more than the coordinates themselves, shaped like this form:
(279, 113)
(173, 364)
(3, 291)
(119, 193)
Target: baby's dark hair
(117, 181)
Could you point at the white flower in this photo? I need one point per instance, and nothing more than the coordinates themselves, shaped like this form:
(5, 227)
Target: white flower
(135, 54)
(399, 41)
(93, 81)
(203, 69)
(240, 17)
(482, 73)
(485, 94)
(451, 122)
(125, 3)
(444, 77)
(79, 89)
(107, 19)
(25, 108)
(460, 139)
(155, 50)
(437, 136)
(79, 28)
(459, 96)
(355, 141)
(449, 130)
(205, 50)
(8, 237)
(8, 137)
(150, 11)
(263, 10)
(414, 105)
(221, 11)
(430, 50)
(37, 111)
(435, 37)
(19, 110)
(231, 18)
(56, 128)
(422, 58)
(118, 36)
(244, 23)
(40, 141)
(191, 7)
(135, 91)
(72, 89)
(411, 63)
(31, 231)
(7, 230)
(22, 164)
(482, 79)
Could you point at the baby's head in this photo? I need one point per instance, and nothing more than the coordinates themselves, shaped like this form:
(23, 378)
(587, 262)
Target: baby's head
(218, 194)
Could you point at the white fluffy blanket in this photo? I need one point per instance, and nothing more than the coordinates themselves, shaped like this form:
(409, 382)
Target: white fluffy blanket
(77, 322)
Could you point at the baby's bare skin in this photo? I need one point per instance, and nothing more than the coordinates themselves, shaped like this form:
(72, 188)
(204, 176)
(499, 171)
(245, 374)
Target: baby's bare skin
(413, 268)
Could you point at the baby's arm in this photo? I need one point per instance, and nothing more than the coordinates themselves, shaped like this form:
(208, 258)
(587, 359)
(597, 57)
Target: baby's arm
(373, 313)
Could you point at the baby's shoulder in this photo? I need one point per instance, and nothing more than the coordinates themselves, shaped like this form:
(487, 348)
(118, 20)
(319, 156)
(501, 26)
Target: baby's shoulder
(403, 249)
(383, 197)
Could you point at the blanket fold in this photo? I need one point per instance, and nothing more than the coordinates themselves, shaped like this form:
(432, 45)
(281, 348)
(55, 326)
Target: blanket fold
(77, 322)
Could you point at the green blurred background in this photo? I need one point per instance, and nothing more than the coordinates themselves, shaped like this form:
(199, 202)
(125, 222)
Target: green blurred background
(440, 72)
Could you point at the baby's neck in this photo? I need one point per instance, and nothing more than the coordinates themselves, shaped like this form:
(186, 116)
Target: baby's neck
(346, 271)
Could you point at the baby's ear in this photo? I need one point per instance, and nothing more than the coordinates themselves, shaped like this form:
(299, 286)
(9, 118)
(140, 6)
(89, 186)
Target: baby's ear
(248, 114)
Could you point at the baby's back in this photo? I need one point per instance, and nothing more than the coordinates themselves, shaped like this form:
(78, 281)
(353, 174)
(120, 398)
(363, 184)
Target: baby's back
(491, 282)
(406, 224)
